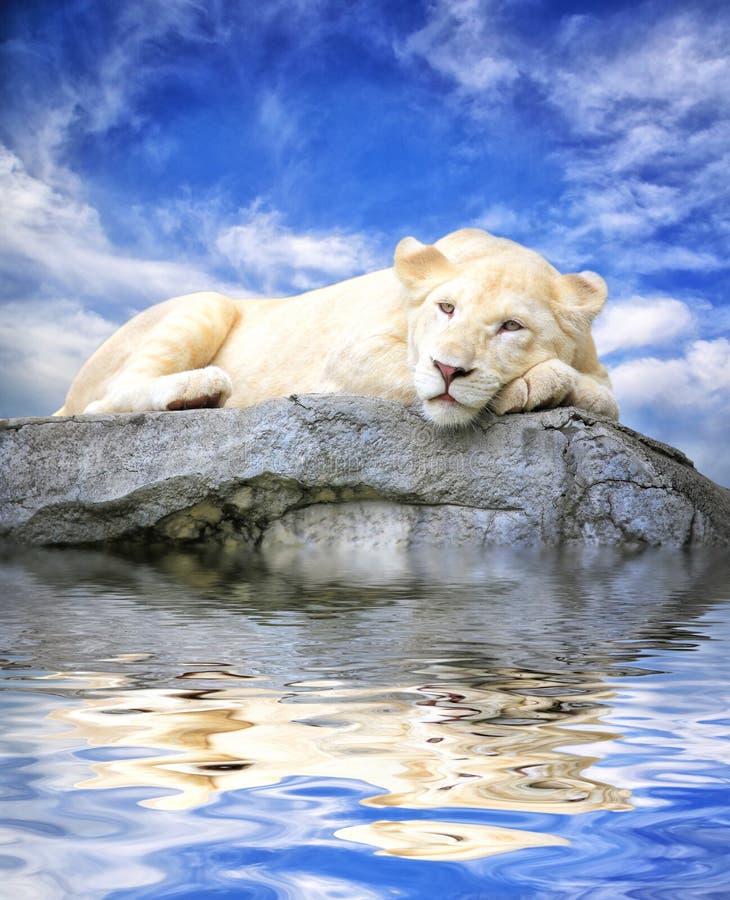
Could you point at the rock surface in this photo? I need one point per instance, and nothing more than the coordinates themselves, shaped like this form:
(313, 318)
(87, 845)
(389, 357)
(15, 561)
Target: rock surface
(343, 470)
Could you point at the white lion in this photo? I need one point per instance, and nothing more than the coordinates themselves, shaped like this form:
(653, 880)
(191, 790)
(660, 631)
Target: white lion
(472, 321)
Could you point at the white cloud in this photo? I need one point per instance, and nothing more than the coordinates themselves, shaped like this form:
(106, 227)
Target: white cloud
(42, 346)
(278, 256)
(49, 234)
(672, 63)
(700, 379)
(642, 322)
(651, 256)
(640, 116)
(105, 95)
(629, 207)
(651, 110)
(463, 41)
(499, 219)
(684, 401)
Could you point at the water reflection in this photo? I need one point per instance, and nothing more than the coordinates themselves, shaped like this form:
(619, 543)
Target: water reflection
(422, 839)
(441, 683)
(489, 744)
(369, 619)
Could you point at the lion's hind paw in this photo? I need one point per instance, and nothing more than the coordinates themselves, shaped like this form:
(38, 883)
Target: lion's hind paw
(207, 401)
(197, 389)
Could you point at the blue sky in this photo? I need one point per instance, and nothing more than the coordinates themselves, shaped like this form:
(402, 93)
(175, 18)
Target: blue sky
(157, 147)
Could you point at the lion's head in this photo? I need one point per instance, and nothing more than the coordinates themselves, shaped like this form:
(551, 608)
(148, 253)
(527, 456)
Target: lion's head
(483, 311)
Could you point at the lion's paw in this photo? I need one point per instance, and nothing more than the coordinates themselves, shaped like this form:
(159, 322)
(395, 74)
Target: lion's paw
(196, 389)
(544, 386)
(512, 398)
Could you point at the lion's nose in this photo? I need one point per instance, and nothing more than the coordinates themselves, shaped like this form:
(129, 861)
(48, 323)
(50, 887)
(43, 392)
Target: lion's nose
(449, 373)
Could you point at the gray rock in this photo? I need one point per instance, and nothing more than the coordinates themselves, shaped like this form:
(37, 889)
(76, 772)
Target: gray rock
(339, 471)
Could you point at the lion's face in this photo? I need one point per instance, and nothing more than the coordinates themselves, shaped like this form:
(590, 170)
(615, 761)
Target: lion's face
(476, 325)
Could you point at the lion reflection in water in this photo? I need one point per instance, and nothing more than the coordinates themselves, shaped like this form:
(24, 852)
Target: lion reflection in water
(493, 745)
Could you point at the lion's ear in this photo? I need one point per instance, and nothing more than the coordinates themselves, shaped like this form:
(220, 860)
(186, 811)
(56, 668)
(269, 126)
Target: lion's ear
(420, 266)
(583, 296)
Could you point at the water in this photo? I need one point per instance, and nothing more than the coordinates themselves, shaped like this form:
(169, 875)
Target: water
(509, 725)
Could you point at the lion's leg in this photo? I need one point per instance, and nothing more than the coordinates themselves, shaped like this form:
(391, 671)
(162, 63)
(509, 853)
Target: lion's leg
(169, 370)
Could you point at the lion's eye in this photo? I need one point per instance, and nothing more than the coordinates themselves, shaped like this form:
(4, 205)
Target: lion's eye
(511, 325)
(447, 308)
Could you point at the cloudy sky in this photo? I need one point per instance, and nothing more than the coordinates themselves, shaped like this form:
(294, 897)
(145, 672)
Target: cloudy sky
(153, 147)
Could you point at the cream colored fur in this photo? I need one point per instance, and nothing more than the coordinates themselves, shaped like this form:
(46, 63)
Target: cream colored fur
(380, 334)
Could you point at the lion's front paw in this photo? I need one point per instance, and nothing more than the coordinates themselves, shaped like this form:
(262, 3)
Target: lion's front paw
(511, 398)
(196, 389)
(544, 386)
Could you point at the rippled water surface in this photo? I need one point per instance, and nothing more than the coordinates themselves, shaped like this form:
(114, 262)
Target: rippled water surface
(509, 725)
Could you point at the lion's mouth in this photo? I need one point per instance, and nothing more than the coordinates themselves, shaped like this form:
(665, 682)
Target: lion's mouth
(445, 398)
